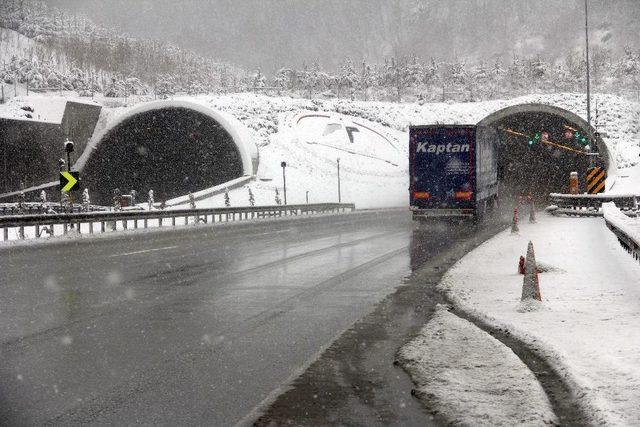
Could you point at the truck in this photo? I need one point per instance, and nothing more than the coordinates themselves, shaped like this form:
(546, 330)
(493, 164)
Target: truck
(453, 171)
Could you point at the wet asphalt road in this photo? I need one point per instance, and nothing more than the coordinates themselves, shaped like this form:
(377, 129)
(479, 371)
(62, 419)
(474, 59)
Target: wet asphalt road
(194, 326)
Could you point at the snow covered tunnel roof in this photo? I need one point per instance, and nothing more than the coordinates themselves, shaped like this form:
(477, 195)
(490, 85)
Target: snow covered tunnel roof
(239, 133)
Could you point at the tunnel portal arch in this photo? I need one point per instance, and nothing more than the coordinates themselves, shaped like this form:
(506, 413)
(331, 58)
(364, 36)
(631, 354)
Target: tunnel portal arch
(171, 147)
(541, 168)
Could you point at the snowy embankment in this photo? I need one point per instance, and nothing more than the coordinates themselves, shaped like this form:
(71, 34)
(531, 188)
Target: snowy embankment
(587, 324)
(627, 225)
(373, 167)
(468, 377)
(378, 182)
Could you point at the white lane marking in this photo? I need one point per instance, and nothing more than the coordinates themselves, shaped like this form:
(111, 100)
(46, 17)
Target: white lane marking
(143, 251)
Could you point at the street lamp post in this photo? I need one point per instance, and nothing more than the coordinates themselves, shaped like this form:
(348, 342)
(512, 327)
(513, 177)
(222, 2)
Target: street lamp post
(284, 180)
(586, 32)
(339, 192)
(307, 196)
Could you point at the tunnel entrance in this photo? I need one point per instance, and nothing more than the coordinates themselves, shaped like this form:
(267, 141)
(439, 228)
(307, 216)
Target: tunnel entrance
(539, 147)
(171, 150)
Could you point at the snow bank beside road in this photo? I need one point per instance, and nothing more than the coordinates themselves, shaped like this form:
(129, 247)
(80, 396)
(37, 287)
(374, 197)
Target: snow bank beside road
(470, 378)
(629, 226)
(588, 324)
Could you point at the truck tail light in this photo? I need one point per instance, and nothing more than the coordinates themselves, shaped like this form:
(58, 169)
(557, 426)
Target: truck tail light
(463, 195)
(421, 195)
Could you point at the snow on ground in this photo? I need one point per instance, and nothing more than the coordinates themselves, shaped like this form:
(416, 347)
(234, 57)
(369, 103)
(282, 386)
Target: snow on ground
(40, 108)
(470, 378)
(618, 119)
(587, 324)
(373, 162)
(627, 181)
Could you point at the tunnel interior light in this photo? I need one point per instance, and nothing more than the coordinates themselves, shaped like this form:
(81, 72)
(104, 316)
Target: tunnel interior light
(543, 137)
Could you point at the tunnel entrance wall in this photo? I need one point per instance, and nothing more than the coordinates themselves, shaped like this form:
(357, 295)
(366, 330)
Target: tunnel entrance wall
(30, 152)
(579, 122)
(171, 147)
(172, 151)
(540, 169)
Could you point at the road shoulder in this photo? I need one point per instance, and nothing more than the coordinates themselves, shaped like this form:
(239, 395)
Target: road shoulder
(585, 329)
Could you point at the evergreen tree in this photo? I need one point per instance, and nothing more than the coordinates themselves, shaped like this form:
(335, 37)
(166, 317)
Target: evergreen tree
(86, 201)
(252, 200)
(278, 201)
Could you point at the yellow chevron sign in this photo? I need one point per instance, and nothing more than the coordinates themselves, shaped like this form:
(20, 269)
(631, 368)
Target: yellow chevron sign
(595, 180)
(69, 181)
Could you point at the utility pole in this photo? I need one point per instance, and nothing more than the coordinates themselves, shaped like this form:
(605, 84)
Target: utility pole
(284, 180)
(339, 193)
(586, 32)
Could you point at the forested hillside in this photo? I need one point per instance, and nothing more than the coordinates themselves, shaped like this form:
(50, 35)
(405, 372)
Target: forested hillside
(70, 52)
(74, 52)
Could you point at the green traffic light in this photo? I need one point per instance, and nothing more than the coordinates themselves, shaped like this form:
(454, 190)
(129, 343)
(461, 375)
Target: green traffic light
(537, 135)
(530, 142)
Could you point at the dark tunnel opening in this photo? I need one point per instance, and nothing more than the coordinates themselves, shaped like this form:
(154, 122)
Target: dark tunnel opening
(172, 151)
(537, 153)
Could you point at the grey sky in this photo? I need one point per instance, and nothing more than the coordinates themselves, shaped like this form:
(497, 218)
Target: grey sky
(275, 33)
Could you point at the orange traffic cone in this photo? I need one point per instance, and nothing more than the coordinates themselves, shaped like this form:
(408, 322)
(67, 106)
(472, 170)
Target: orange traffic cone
(521, 269)
(530, 283)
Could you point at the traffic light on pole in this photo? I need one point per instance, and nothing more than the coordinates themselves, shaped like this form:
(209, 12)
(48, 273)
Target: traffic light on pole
(581, 139)
(535, 139)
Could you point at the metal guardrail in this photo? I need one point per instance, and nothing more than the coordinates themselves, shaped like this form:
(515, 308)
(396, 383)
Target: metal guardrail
(623, 228)
(590, 204)
(123, 220)
(30, 208)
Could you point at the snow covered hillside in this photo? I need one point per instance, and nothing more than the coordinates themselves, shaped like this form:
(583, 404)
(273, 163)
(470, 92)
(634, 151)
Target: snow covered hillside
(270, 120)
(310, 135)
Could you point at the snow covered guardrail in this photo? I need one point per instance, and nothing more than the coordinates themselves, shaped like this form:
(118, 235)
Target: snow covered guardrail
(33, 226)
(625, 228)
(590, 204)
(30, 208)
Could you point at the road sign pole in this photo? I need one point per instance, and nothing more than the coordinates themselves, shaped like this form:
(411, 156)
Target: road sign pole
(339, 190)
